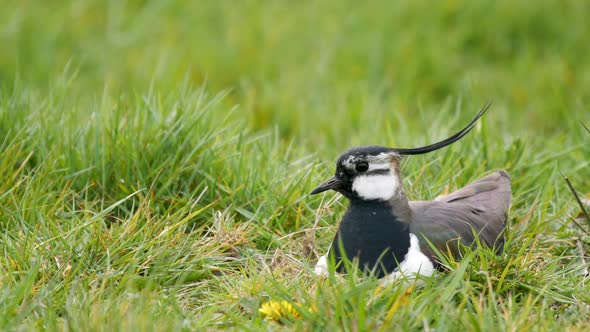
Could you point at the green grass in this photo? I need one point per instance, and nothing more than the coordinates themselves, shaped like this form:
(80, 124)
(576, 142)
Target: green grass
(156, 159)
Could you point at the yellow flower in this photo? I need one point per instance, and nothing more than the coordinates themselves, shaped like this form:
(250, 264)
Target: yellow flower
(276, 310)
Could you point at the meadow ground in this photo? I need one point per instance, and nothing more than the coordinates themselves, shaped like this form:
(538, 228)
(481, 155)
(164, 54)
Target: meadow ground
(156, 159)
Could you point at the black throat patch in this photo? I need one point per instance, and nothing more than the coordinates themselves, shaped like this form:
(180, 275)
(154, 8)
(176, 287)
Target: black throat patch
(371, 233)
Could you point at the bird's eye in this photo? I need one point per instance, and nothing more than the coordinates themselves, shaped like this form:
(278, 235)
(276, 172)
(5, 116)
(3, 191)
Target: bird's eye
(362, 166)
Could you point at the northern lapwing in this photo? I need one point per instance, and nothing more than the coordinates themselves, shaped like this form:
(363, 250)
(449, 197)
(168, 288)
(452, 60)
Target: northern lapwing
(388, 234)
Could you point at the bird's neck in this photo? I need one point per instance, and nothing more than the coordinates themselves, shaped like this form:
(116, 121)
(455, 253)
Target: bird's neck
(397, 203)
(378, 214)
(400, 207)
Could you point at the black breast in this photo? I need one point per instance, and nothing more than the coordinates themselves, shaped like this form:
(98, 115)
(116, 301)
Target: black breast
(371, 233)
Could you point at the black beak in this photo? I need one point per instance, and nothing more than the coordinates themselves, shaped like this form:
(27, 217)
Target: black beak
(332, 183)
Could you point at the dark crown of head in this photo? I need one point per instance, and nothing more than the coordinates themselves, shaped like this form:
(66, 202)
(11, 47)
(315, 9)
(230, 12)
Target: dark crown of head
(370, 150)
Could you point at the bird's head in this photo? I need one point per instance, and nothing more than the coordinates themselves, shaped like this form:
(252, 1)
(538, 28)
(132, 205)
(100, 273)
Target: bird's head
(366, 172)
(373, 172)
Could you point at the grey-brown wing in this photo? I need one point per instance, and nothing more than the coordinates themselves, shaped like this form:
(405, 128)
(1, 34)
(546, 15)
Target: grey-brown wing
(479, 208)
(492, 191)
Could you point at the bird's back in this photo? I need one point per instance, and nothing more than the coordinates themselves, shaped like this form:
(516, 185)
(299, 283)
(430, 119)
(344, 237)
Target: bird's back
(478, 208)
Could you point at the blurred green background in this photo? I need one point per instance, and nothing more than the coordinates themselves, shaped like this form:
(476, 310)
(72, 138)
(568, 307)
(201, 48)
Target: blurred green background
(322, 71)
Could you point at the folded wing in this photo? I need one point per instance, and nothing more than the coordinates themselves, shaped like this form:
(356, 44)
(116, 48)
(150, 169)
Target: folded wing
(478, 209)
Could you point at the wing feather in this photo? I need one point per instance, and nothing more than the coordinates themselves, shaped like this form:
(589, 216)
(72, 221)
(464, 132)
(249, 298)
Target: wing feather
(479, 208)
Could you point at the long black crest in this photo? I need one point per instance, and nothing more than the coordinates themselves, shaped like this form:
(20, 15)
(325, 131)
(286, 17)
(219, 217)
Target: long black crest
(448, 141)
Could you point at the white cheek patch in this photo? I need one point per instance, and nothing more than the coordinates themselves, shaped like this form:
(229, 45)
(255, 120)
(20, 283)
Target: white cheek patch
(415, 262)
(375, 186)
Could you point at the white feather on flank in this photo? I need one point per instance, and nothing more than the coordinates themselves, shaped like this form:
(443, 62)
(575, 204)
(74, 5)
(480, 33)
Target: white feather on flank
(321, 267)
(414, 263)
(375, 186)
